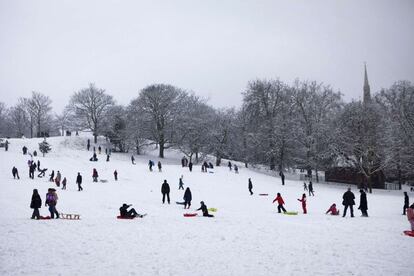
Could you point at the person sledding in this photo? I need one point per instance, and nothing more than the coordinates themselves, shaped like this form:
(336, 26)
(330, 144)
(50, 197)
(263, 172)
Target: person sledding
(332, 210)
(280, 202)
(93, 158)
(42, 172)
(124, 213)
(204, 209)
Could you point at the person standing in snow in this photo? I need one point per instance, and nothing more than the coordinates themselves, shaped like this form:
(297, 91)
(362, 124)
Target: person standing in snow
(282, 176)
(410, 216)
(64, 183)
(107, 158)
(363, 203)
(132, 160)
(95, 175)
(32, 168)
(190, 166)
(280, 202)
(305, 187)
(79, 182)
(406, 202)
(236, 168)
(348, 201)
(229, 165)
(99, 149)
(116, 175)
(250, 185)
(51, 201)
(6, 145)
(310, 187)
(181, 184)
(165, 190)
(57, 179)
(35, 204)
(15, 173)
(159, 166)
(150, 164)
(204, 209)
(52, 176)
(88, 145)
(303, 200)
(187, 198)
(24, 149)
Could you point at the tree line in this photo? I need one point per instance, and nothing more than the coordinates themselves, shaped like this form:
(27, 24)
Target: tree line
(303, 125)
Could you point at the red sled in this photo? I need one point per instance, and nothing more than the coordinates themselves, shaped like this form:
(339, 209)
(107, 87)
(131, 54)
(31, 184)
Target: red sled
(263, 194)
(409, 233)
(42, 217)
(190, 214)
(119, 217)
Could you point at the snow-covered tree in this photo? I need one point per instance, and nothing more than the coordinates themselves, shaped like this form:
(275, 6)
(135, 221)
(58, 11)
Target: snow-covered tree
(89, 107)
(44, 147)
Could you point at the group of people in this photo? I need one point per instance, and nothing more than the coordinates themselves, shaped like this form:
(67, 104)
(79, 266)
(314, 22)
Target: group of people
(51, 202)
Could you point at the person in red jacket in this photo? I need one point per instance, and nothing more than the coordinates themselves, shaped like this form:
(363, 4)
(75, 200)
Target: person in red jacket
(410, 216)
(303, 200)
(95, 175)
(280, 202)
(333, 210)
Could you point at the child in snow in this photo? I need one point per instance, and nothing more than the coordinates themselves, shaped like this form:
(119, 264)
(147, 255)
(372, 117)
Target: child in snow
(303, 200)
(280, 202)
(64, 183)
(124, 213)
(35, 204)
(15, 173)
(159, 166)
(116, 175)
(51, 200)
(410, 216)
(250, 186)
(150, 164)
(333, 210)
(204, 209)
(95, 175)
(181, 184)
(305, 187)
(236, 168)
(52, 176)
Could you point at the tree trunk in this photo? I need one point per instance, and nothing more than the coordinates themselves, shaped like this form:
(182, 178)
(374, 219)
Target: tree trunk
(317, 175)
(369, 184)
(218, 160)
(272, 163)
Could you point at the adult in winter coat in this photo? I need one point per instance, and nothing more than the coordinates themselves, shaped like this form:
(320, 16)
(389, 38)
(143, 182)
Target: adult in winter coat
(310, 187)
(303, 200)
(79, 182)
(35, 204)
(410, 216)
(282, 176)
(52, 176)
(24, 149)
(51, 201)
(95, 175)
(150, 164)
(64, 183)
(229, 165)
(190, 166)
(15, 173)
(159, 166)
(363, 204)
(280, 202)
(406, 202)
(204, 209)
(132, 160)
(116, 175)
(107, 157)
(58, 178)
(348, 201)
(250, 185)
(124, 213)
(165, 190)
(187, 198)
(181, 184)
(32, 169)
(333, 210)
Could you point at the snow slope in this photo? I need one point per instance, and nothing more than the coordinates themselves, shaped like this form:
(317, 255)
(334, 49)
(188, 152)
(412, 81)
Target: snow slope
(246, 237)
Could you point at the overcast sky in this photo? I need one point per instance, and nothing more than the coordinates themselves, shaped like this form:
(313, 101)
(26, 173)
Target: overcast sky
(210, 47)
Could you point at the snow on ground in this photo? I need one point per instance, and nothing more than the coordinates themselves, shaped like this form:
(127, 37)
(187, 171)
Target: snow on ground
(246, 236)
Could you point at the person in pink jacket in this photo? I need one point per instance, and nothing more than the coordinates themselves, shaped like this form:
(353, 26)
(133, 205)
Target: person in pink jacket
(303, 200)
(333, 210)
(410, 216)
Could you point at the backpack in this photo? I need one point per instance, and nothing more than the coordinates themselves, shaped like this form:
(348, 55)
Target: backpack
(50, 198)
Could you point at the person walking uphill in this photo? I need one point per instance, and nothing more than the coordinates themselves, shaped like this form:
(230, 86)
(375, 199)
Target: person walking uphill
(51, 201)
(280, 202)
(250, 186)
(204, 209)
(165, 190)
(303, 200)
(181, 184)
(282, 176)
(79, 182)
(348, 201)
(363, 204)
(406, 202)
(95, 175)
(187, 198)
(35, 204)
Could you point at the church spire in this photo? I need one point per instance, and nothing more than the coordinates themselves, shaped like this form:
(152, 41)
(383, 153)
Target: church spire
(367, 90)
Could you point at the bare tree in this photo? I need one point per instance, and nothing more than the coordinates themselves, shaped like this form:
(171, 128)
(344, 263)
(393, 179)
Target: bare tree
(89, 107)
(63, 120)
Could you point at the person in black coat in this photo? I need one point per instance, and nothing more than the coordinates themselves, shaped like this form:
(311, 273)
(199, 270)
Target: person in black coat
(348, 201)
(123, 210)
(35, 204)
(79, 182)
(181, 184)
(406, 202)
(363, 204)
(15, 173)
(165, 190)
(282, 176)
(187, 198)
(250, 186)
(190, 166)
(204, 209)
(310, 187)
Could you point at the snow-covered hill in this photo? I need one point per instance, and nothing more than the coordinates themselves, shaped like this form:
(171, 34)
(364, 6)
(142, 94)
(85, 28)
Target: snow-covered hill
(246, 236)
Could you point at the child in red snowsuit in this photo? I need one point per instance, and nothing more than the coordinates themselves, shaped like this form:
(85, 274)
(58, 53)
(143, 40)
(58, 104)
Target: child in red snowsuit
(303, 200)
(280, 201)
(333, 210)
(410, 216)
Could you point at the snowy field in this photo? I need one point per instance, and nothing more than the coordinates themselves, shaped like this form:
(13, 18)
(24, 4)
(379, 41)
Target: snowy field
(246, 236)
